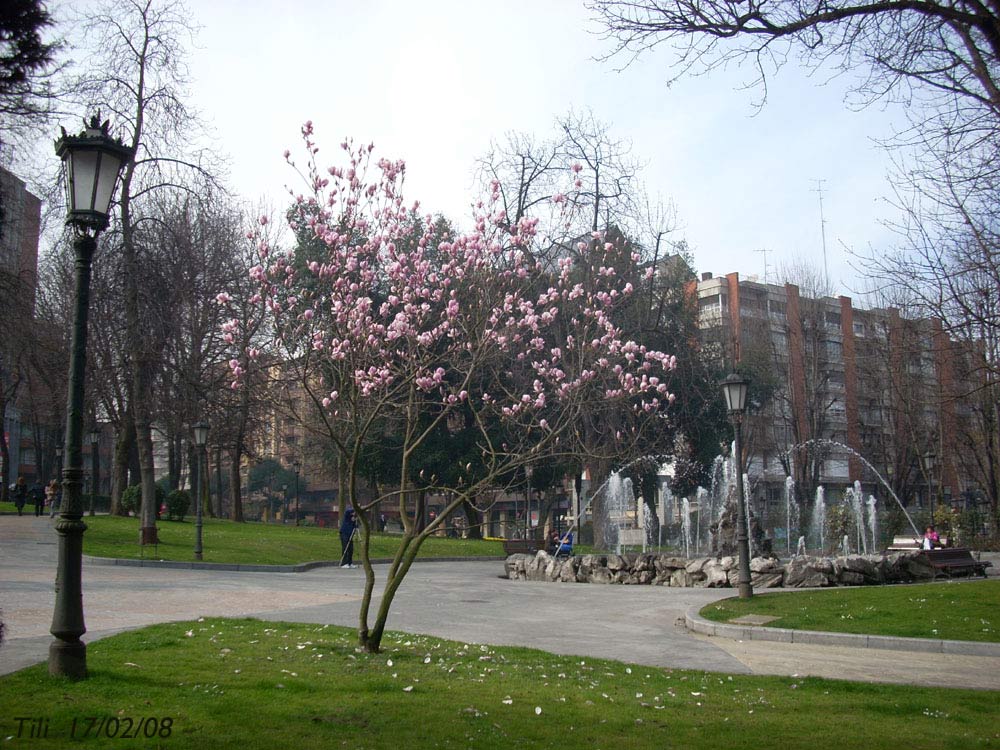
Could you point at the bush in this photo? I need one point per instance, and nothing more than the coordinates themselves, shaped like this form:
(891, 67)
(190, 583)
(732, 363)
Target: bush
(178, 504)
(132, 497)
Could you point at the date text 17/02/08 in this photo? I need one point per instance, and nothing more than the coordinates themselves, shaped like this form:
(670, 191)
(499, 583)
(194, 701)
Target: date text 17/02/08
(112, 727)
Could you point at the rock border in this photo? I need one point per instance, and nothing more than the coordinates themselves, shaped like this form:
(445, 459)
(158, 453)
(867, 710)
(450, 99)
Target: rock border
(907, 566)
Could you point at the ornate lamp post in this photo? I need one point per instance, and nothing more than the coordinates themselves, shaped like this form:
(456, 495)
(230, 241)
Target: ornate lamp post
(95, 465)
(528, 471)
(929, 461)
(298, 467)
(200, 432)
(735, 388)
(92, 162)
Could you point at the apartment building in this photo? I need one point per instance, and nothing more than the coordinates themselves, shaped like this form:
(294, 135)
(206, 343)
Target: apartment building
(845, 394)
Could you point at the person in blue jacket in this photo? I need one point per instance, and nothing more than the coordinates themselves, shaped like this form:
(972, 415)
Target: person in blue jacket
(347, 528)
(565, 548)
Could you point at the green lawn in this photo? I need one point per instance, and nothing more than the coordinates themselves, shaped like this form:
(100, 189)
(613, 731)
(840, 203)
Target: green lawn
(958, 610)
(249, 684)
(254, 543)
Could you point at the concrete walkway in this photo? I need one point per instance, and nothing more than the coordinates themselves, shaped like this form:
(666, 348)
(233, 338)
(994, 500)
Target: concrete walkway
(466, 601)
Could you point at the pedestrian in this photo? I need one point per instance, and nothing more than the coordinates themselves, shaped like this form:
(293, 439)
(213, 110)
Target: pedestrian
(20, 495)
(37, 495)
(347, 528)
(53, 496)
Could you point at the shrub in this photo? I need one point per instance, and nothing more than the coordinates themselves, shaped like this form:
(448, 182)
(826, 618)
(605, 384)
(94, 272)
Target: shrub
(178, 504)
(132, 497)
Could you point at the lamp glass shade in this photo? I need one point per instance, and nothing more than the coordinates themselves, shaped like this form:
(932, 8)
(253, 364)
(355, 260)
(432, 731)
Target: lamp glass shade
(200, 432)
(735, 388)
(95, 436)
(92, 161)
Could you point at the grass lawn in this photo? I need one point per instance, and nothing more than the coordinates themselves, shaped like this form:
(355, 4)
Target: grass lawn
(254, 543)
(249, 684)
(956, 610)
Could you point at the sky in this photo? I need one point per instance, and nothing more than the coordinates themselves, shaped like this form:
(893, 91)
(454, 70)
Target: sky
(434, 82)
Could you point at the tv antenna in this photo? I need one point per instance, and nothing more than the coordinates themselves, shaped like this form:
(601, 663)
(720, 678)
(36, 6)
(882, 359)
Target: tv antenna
(822, 228)
(765, 251)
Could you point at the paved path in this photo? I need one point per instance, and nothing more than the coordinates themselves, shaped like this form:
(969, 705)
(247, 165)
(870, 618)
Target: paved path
(466, 601)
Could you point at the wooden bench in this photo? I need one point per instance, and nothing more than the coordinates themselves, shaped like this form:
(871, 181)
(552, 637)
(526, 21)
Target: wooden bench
(949, 561)
(520, 546)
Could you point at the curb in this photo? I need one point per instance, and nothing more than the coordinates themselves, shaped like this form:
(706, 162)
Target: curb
(698, 624)
(251, 568)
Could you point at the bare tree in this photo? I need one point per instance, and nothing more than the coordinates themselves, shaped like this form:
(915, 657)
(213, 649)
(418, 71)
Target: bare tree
(137, 73)
(938, 49)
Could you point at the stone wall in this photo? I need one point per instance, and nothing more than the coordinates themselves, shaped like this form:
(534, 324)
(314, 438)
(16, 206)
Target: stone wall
(711, 572)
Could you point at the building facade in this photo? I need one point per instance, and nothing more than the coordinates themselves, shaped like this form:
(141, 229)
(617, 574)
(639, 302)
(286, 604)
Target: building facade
(842, 394)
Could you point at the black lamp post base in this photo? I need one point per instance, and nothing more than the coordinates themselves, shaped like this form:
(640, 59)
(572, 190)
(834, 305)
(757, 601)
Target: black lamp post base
(68, 659)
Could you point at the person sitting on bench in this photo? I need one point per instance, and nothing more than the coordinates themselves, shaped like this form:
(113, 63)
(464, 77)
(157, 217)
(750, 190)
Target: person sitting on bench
(931, 539)
(565, 548)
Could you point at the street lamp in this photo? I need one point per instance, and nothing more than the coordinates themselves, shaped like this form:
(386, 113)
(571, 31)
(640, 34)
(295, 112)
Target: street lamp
(929, 460)
(200, 432)
(528, 471)
(735, 388)
(95, 468)
(298, 466)
(284, 503)
(92, 162)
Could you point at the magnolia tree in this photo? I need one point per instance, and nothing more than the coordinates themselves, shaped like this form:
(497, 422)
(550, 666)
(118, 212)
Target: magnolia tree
(394, 329)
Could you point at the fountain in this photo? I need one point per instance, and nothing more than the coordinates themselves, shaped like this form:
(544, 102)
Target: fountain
(789, 502)
(873, 521)
(686, 525)
(704, 510)
(817, 524)
(823, 442)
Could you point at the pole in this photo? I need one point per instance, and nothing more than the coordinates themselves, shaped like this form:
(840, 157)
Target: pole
(296, 495)
(67, 653)
(95, 461)
(200, 499)
(742, 533)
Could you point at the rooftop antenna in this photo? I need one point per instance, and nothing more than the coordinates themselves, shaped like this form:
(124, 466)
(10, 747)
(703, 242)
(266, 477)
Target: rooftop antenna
(822, 228)
(765, 251)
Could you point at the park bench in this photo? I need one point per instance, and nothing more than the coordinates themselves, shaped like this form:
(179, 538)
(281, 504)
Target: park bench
(520, 546)
(900, 543)
(949, 561)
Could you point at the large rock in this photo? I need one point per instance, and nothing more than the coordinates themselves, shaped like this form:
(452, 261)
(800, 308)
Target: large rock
(681, 578)
(617, 562)
(919, 568)
(715, 575)
(569, 570)
(666, 564)
(695, 566)
(766, 580)
(534, 568)
(514, 566)
(807, 572)
(766, 565)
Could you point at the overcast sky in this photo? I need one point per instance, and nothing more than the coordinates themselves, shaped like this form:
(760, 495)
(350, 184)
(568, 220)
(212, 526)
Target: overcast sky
(434, 81)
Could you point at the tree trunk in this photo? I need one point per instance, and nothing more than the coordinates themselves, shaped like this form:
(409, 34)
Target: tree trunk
(4, 452)
(124, 442)
(474, 520)
(235, 496)
(219, 511)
